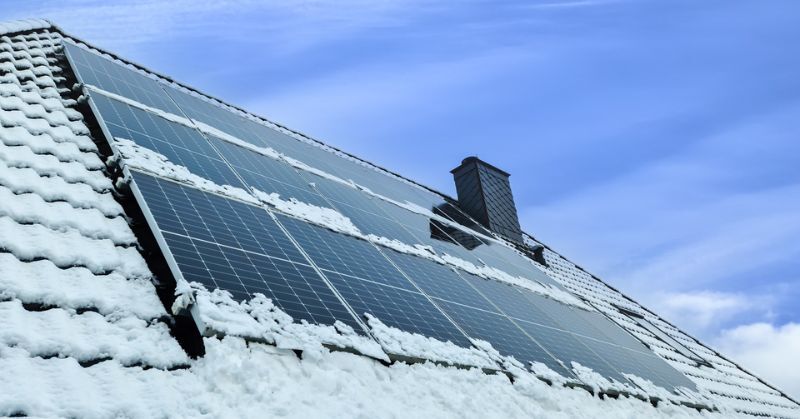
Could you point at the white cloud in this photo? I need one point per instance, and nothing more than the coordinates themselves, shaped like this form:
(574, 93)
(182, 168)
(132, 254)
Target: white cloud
(700, 310)
(691, 220)
(768, 351)
(284, 24)
(333, 100)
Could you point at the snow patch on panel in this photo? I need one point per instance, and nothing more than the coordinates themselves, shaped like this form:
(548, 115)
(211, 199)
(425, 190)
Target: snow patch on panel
(217, 312)
(399, 342)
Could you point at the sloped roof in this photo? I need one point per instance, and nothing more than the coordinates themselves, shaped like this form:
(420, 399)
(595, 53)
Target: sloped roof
(86, 334)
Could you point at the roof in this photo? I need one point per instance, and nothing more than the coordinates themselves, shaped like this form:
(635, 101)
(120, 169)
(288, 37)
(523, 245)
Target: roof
(93, 323)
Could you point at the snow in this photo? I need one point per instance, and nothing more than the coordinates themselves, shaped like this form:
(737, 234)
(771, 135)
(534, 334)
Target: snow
(88, 336)
(38, 123)
(153, 162)
(43, 144)
(51, 189)
(50, 103)
(49, 165)
(259, 318)
(399, 342)
(38, 118)
(69, 248)
(602, 384)
(240, 379)
(28, 208)
(44, 283)
(327, 217)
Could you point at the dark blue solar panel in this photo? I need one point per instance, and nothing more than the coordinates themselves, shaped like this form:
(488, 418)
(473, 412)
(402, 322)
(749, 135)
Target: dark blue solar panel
(567, 348)
(361, 209)
(509, 300)
(625, 361)
(566, 317)
(238, 248)
(471, 310)
(439, 281)
(267, 174)
(369, 283)
(613, 332)
(403, 309)
(344, 254)
(248, 130)
(340, 194)
(181, 145)
(213, 218)
(114, 77)
(506, 337)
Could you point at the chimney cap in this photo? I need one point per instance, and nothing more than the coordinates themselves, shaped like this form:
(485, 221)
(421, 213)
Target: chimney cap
(476, 160)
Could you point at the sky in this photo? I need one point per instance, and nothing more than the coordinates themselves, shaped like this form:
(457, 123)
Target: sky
(655, 143)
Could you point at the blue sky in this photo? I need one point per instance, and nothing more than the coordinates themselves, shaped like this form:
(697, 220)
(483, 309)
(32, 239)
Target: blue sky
(656, 143)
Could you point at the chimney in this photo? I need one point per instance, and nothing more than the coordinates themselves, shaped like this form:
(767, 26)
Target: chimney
(485, 194)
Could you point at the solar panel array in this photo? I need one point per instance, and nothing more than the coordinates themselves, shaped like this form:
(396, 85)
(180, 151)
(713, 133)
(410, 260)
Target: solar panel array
(322, 276)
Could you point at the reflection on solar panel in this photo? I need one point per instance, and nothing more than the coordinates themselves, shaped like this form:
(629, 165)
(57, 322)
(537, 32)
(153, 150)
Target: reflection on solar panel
(322, 276)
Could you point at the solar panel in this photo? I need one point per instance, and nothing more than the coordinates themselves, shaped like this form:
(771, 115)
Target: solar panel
(566, 333)
(439, 281)
(369, 282)
(239, 248)
(182, 145)
(505, 336)
(568, 349)
(406, 310)
(344, 254)
(263, 136)
(478, 316)
(510, 301)
(267, 174)
(115, 77)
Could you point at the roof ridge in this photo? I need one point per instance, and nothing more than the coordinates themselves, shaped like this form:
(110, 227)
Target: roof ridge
(22, 25)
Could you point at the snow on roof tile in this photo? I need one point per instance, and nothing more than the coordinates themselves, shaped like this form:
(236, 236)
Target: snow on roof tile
(23, 25)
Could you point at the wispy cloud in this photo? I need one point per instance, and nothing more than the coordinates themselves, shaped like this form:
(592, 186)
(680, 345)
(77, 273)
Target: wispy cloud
(569, 4)
(688, 221)
(703, 312)
(768, 350)
(126, 23)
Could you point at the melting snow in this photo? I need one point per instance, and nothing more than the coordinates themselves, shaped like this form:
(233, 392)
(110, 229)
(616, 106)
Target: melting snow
(399, 342)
